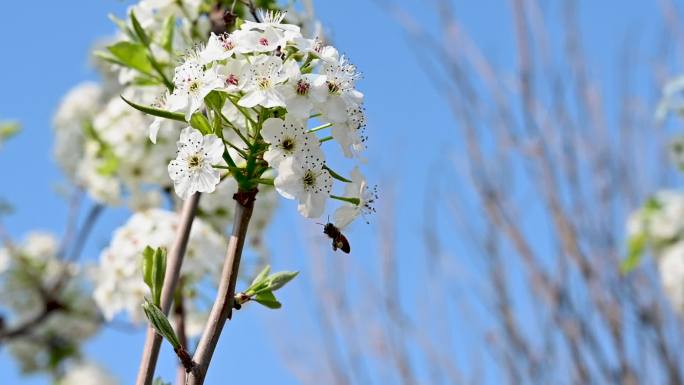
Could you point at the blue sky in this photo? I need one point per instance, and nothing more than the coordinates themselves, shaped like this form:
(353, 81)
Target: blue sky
(45, 53)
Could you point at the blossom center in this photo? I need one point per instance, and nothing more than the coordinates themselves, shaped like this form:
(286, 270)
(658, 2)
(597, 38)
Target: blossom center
(193, 86)
(228, 44)
(263, 41)
(232, 79)
(288, 144)
(195, 161)
(333, 87)
(309, 179)
(264, 83)
(302, 87)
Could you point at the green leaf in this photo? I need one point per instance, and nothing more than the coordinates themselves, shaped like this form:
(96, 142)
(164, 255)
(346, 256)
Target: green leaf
(160, 381)
(336, 175)
(167, 33)
(132, 55)
(8, 130)
(139, 30)
(121, 24)
(268, 299)
(155, 111)
(147, 265)
(110, 162)
(636, 245)
(652, 205)
(160, 323)
(278, 280)
(262, 275)
(200, 122)
(154, 269)
(158, 272)
(215, 100)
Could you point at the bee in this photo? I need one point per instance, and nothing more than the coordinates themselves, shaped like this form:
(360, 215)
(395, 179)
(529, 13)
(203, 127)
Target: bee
(339, 241)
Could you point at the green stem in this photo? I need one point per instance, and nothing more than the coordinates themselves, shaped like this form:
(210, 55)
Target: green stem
(266, 181)
(336, 175)
(232, 126)
(354, 201)
(236, 148)
(327, 138)
(242, 110)
(321, 127)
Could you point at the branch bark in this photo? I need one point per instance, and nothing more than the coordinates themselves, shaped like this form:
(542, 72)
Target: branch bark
(223, 305)
(153, 341)
(179, 316)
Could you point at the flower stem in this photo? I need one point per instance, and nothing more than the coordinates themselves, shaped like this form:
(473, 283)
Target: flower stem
(321, 127)
(336, 175)
(223, 305)
(354, 201)
(173, 266)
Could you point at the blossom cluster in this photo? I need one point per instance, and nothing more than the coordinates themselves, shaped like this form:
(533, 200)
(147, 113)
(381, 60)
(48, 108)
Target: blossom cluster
(118, 286)
(101, 148)
(660, 224)
(267, 84)
(86, 373)
(31, 269)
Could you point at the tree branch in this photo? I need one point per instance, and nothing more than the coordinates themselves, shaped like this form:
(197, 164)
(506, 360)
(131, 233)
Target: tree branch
(179, 317)
(223, 305)
(174, 263)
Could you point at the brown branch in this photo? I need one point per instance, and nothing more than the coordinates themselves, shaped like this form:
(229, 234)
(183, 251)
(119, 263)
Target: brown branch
(174, 263)
(179, 317)
(223, 305)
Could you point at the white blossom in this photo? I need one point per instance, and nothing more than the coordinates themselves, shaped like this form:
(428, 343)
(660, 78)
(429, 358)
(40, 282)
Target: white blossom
(192, 170)
(219, 47)
(671, 268)
(118, 280)
(86, 373)
(302, 91)
(192, 83)
(75, 112)
(340, 79)
(315, 46)
(233, 74)
(267, 40)
(306, 181)
(287, 138)
(349, 134)
(360, 190)
(261, 85)
(272, 21)
(662, 223)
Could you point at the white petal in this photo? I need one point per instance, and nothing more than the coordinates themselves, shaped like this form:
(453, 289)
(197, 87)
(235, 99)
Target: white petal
(346, 215)
(154, 129)
(272, 130)
(313, 205)
(213, 148)
(252, 99)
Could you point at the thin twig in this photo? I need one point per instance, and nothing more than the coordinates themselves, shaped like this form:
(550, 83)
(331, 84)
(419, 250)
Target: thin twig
(223, 305)
(174, 263)
(179, 317)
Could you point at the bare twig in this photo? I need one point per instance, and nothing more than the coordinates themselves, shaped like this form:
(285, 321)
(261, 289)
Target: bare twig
(174, 263)
(179, 317)
(223, 305)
